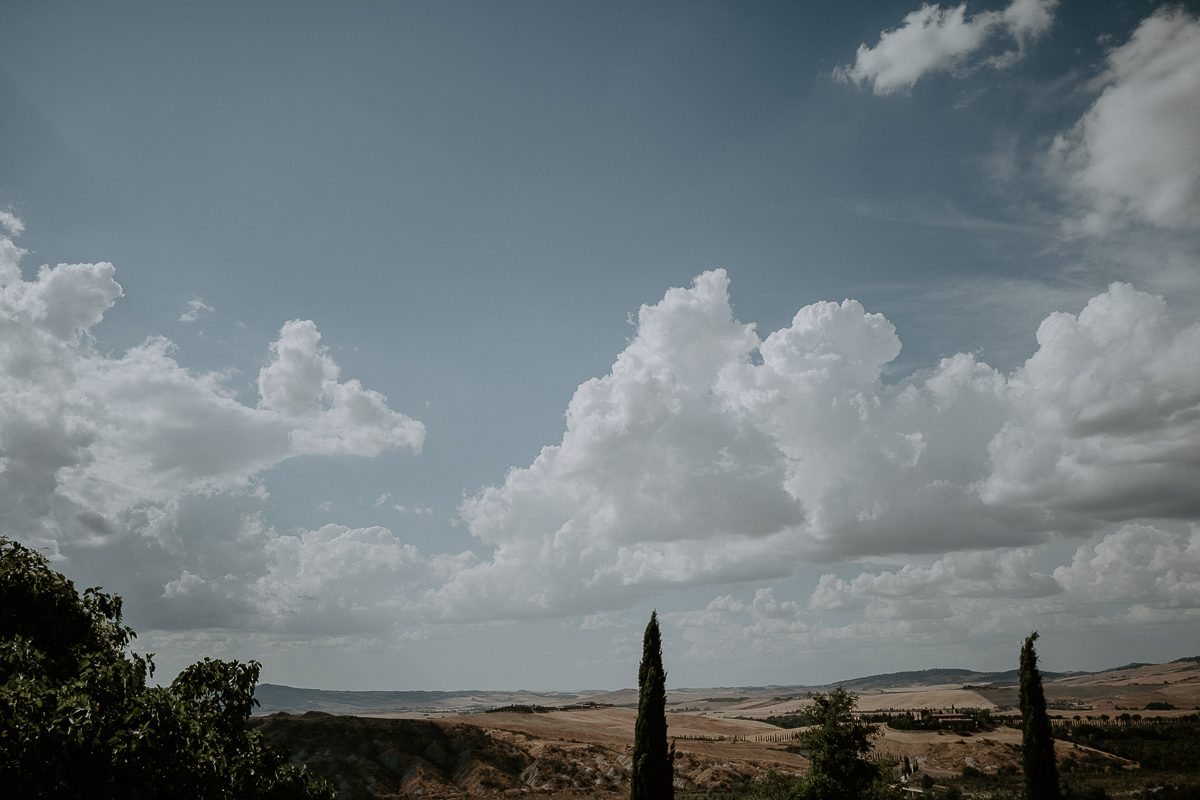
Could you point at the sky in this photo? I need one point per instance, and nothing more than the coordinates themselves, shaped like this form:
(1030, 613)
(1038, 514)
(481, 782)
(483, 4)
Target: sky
(432, 345)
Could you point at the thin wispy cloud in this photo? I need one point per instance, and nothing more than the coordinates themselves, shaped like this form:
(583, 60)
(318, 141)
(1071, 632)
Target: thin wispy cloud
(196, 309)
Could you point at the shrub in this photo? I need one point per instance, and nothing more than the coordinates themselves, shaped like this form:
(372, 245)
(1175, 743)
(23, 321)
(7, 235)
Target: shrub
(78, 720)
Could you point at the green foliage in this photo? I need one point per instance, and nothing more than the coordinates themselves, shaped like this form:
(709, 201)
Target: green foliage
(1168, 746)
(838, 746)
(1037, 743)
(78, 720)
(787, 721)
(652, 772)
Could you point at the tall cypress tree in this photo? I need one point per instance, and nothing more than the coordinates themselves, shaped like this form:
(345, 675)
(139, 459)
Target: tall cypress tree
(1037, 745)
(652, 774)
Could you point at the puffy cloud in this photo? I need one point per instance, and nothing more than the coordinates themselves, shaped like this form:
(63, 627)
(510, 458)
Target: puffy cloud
(710, 456)
(933, 39)
(1139, 564)
(337, 580)
(1106, 415)
(11, 223)
(1139, 574)
(131, 466)
(327, 417)
(1135, 156)
(655, 483)
(707, 456)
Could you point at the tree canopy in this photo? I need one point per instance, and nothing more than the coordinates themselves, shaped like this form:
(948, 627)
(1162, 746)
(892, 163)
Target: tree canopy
(837, 746)
(78, 719)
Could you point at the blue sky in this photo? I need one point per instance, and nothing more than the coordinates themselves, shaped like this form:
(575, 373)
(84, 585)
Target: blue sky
(431, 345)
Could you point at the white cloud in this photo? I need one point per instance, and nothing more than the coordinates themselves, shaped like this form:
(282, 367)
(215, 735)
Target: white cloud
(602, 620)
(707, 456)
(132, 461)
(1135, 154)
(328, 417)
(655, 483)
(934, 39)
(11, 223)
(1106, 415)
(196, 308)
(1139, 564)
(694, 462)
(337, 580)
(1138, 574)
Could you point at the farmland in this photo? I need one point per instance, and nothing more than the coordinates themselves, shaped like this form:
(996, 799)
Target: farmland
(556, 744)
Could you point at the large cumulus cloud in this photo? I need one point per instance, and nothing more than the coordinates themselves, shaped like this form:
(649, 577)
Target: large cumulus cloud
(709, 455)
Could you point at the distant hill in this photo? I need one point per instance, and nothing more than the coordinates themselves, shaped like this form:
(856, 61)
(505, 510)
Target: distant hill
(939, 677)
(275, 698)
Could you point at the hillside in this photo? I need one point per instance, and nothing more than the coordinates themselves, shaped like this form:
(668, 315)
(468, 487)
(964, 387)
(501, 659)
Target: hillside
(442, 744)
(495, 754)
(1108, 688)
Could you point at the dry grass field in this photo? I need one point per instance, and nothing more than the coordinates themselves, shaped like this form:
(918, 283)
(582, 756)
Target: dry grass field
(721, 737)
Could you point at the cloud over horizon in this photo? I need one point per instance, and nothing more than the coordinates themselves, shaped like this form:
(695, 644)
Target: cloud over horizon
(707, 456)
(1138, 574)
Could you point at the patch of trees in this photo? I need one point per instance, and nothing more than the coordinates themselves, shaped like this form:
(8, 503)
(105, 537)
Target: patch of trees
(517, 708)
(1171, 746)
(78, 719)
(787, 721)
(927, 722)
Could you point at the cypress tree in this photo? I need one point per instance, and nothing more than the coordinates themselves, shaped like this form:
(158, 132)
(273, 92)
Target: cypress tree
(1037, 744)
(652, 774)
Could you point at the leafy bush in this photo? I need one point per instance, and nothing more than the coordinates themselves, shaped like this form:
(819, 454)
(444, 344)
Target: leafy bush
(78, 720)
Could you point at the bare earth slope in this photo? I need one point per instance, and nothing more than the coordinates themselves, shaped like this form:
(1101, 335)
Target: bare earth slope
(556, 754)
